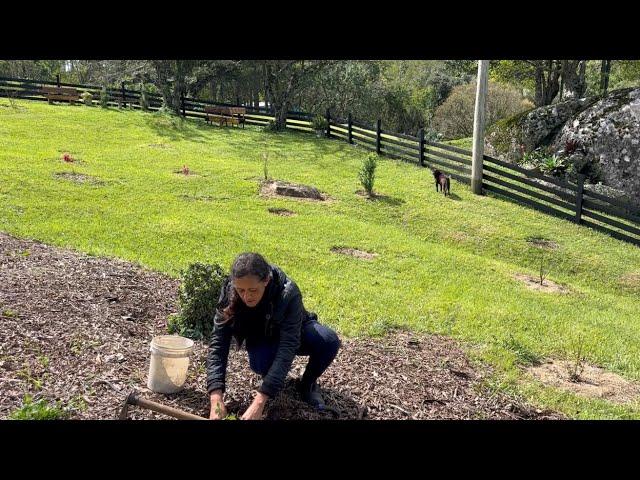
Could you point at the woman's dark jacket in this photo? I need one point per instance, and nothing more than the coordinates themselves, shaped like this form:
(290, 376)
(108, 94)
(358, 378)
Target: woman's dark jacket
(278, 317)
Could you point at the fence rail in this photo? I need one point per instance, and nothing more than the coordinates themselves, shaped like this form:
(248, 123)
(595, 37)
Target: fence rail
(550, 195)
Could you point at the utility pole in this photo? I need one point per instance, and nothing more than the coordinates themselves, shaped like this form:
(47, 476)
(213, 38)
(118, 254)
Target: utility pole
(478, 127)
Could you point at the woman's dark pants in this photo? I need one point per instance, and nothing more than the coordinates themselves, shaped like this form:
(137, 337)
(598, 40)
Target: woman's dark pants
(317, 341)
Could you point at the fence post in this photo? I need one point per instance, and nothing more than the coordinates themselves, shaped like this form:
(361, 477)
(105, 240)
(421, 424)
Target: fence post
(421, 147)
(328, 116)
(579, 195)
(378, 136)
(122, 86)
(58, 79)
(182, 104)
(349, 135)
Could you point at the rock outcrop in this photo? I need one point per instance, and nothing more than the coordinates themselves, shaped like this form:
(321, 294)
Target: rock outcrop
(605, 133)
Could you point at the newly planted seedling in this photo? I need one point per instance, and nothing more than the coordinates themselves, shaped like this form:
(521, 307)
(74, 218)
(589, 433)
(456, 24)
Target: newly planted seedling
(577, 358)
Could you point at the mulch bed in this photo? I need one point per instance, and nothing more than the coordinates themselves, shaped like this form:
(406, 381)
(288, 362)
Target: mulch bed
(76, 328)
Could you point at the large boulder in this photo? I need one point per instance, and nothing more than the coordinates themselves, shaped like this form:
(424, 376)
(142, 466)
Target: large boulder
(608, 135)
(510, 138)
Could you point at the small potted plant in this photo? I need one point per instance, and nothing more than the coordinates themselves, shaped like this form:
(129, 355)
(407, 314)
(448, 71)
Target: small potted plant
(319, 124)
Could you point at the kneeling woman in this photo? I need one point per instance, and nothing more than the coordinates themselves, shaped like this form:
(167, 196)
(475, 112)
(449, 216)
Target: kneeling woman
(260, 304)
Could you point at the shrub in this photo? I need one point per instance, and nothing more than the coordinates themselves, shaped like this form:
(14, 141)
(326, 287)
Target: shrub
(87, 98)
(39, 410)
(367, 173)
(454, 118)
(319, 123)
(549, 164)
(197, 299)
(553, 165)
(104, 98)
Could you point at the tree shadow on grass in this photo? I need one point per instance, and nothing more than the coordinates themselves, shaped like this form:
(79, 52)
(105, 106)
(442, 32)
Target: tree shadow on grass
(175, 128)
(378, 197)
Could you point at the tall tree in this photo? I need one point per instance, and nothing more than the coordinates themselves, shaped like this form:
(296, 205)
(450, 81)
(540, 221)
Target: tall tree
(574, 83)
(283, 80)
(171, 79)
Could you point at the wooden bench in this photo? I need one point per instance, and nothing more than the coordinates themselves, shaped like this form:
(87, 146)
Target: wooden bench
(60, 94)
(225, 115)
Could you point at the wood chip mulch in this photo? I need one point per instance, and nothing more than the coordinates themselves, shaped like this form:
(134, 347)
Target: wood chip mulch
(76, 329)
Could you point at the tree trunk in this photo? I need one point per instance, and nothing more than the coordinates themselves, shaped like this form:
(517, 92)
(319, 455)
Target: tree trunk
(547, 75)
(573, 78)
(605, 69)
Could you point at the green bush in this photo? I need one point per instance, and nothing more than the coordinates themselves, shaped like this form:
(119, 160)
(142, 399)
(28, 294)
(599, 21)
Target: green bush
(367, 172)
(87, 98)
(197, 299)
(104, 98)
(39, 410)
(454, 118)
(549, 164)
(319, 123)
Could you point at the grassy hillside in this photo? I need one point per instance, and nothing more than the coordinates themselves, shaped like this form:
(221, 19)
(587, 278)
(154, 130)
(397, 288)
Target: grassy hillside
(445, 265)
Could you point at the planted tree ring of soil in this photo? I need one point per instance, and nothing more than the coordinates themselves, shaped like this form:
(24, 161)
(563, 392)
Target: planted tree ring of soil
(353, 252)
(542, 243)
(282, 212)
(630, 281)
(593, 381)
(278, 188)
(80, 178)
(533, 283)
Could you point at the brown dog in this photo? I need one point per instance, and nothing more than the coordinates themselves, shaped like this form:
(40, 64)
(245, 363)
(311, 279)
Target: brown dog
(443, 181)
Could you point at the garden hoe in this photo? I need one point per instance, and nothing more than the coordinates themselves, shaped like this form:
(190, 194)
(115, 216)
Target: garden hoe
(133, 399)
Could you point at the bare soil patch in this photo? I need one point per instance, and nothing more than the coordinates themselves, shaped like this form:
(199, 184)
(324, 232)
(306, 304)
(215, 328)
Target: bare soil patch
(543, 243)
(534, 284)
(278, 188)
(630, 281)
(595, 382)
(93, 318)
(354, 252)
(283, 212)
(80, 178)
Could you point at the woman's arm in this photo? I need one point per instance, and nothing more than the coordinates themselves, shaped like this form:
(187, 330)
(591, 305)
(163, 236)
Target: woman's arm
(218, 353)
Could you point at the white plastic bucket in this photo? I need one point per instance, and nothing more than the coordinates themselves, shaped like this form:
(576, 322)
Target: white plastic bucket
(169, 363)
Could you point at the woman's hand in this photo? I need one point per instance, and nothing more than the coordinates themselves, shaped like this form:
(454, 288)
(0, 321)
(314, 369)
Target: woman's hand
(218, 409)
(254, 412)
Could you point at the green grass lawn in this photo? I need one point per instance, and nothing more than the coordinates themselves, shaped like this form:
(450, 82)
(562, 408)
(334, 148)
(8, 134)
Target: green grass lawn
(445, 265)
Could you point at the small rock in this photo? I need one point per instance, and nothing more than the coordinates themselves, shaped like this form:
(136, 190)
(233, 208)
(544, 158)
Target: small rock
(117, 358)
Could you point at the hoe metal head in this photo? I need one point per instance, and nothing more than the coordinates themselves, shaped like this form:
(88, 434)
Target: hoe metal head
(130, 400)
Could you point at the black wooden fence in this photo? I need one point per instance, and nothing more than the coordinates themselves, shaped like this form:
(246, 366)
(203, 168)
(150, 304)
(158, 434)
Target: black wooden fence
(560, 198)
